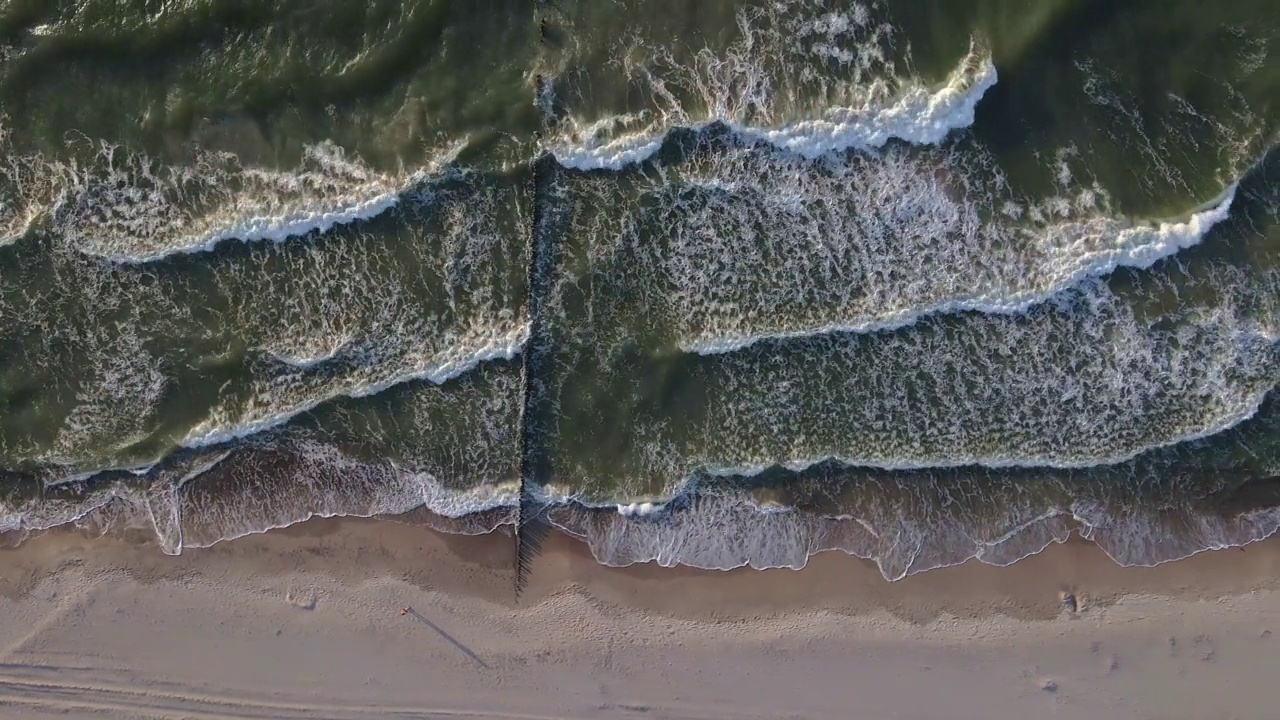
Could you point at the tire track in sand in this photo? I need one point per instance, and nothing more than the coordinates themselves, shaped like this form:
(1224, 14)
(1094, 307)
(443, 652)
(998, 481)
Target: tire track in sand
(58, 690)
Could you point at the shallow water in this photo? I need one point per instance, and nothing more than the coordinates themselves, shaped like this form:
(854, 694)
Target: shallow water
(712, 284)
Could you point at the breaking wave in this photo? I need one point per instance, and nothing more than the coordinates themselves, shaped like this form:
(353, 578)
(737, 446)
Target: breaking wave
(770, 298)
(252, 490)
(808, 78)
(917, 115)
(126, 207)
(740, 244)
(281, 395)
(1163, 505)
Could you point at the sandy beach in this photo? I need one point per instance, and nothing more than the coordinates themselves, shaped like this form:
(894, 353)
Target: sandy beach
(708, 283)
(310, 622)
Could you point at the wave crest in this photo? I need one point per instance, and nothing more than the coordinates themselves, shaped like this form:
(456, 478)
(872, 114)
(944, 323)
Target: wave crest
(1162, 506)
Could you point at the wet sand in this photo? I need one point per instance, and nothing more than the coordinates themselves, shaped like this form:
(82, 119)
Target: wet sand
(311, 622)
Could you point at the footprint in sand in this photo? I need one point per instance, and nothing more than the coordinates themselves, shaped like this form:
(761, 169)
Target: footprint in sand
(304, 600)
(1112, 660)
(1205, 649)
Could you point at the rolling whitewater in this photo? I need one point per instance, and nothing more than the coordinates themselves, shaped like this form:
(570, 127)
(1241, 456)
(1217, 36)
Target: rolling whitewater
(712, 284)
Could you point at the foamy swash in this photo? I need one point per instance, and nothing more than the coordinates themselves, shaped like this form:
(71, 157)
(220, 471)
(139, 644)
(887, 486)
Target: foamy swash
(1161, 506)
(1165, 504)
(726, 531)
(254, 491)
(906, 522)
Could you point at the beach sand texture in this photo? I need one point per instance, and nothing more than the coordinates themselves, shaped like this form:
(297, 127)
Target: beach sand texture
(308, 623)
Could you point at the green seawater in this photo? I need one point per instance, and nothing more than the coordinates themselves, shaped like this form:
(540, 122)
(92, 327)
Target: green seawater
(918, 280)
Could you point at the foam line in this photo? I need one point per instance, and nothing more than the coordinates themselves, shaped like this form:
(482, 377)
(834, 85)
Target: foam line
(1137, 247)
(918, 116)
(505, 349)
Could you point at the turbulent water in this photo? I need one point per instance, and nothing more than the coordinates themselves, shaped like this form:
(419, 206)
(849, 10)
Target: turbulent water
(713, 283)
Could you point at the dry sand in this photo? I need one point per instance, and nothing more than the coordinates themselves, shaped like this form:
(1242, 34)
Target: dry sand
(307, 623)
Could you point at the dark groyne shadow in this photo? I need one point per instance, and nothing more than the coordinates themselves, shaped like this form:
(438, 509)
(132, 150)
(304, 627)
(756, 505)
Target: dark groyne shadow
(535, 466)
(442, 633)
(547, 227)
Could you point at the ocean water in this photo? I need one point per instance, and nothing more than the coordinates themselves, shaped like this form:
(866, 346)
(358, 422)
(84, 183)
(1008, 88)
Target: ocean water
(713, 284)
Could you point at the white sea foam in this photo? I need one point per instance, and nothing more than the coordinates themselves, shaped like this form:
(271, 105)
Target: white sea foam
(346, 318)
(919, 116)
(330, 484)
(275, 228)
(1096, 375)
(640, 508)
(326, 483)
(1090, 382)
(267, 412)
(453, 451)
(715, 532)
(46, 513)
(724, 534)
(362, 322)
(1211, 359)
(125, 208)
(608, 154)
(745, 244)
(1072, 253)
(1237, 413)
(330, 350)
(772, 234)
(1147, 540)
(914, 522)
(757, 86)
(120, 379)
(27, 188)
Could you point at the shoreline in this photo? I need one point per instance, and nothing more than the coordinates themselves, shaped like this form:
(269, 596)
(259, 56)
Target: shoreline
(306, 622)
(1081, 565)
